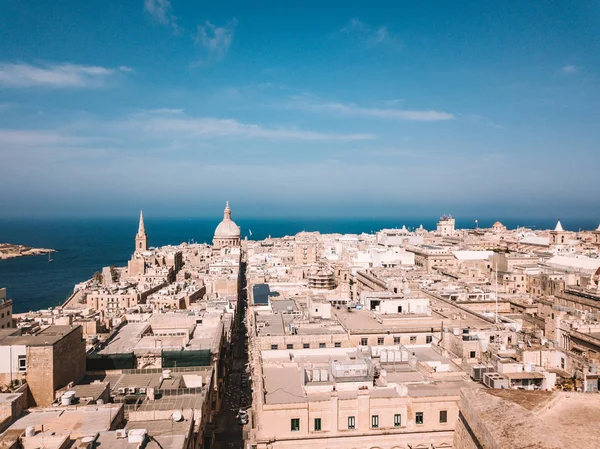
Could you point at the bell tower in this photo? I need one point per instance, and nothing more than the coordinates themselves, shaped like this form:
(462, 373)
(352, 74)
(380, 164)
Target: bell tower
(141, 239)
(558, 236)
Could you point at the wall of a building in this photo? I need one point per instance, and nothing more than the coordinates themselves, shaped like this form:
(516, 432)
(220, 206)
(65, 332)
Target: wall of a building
(53, 366)
(276, 421)
(5, 314)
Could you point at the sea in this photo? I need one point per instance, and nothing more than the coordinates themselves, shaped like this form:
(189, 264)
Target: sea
(84, 246)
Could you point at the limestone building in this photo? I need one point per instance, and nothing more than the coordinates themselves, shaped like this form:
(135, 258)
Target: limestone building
(5, 310)
(48, 360)
(227, 233)
(445, 226)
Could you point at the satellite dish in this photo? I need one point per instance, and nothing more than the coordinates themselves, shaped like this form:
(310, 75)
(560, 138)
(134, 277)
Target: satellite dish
(406, 291)
(177, 416)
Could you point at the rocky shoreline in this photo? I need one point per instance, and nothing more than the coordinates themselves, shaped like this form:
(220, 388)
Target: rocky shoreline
(10, 251)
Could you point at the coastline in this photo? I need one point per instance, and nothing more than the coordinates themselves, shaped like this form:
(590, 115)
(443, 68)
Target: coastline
(11, 251)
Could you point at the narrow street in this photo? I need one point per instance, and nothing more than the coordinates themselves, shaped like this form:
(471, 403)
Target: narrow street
(229, 433)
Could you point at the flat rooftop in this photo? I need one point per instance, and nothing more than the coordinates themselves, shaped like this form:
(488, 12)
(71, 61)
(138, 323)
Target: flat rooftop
(536, 419)
(283, 384)
(46, 337)
(179, 402)
(125, 339)
(78, 422)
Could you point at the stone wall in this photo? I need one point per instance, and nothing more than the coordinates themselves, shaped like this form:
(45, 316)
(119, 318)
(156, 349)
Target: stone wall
(69, 358)
(52, 367)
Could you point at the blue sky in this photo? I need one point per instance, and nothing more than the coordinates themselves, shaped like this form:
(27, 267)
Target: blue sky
(380, 108)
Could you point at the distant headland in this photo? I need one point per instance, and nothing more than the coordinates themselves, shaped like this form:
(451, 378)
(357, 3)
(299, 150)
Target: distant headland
(10, 250)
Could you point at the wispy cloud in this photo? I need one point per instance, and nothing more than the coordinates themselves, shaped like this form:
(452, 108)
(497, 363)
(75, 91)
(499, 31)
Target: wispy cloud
(569, 69)
(349, 109)
(64, 75)
(162, 12)
(480, 119)
(34, 137)
(368, 35)
(394, 102)
(183, 126)
(215, 40)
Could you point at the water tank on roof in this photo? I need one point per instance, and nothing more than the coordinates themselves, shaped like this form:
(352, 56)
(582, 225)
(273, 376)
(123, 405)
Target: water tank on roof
(166, 374)
(30, 431)
(67, 398)
(136, 435)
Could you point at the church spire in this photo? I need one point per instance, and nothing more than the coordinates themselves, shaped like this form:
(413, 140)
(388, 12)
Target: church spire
(141, 228)
(558, 227)
(141, 239)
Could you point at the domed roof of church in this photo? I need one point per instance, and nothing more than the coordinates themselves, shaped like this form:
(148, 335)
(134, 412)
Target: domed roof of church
(497, 225)
(227, 228)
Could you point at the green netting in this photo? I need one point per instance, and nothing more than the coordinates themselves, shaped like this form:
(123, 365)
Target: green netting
(103, 362)
(176, 359)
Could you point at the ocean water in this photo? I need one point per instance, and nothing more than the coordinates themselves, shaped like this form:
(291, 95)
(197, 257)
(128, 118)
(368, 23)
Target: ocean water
(84, 246)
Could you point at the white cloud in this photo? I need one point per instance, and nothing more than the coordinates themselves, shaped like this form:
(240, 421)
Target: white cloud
(368, 35)
(357, 111)
(162, 12)
(31, 137)
(353, 26)
(180, 126)
(64, 75)
(568, 69)
(216, 40)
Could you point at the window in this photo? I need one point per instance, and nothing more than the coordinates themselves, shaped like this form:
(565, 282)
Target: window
(419, 418)
(364, 341)
(306, 345)
(351, 422)
(375, 421)
(379, 340)
(295, 424)
(472, 354)
(443, 416)
(428, 339)
(397, 420)
(290, 346)
(22, 363)
(491, 339)
(337, 344)
(396, 340)
(321, 345)
(317, 424)
(399, 309)
(273, 346)
(413, 339)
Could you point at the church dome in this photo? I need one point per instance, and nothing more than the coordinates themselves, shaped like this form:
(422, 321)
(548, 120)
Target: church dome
(497, 225)
(227, 228)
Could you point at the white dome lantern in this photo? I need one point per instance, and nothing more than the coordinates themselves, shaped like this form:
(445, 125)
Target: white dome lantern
(227, 233)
